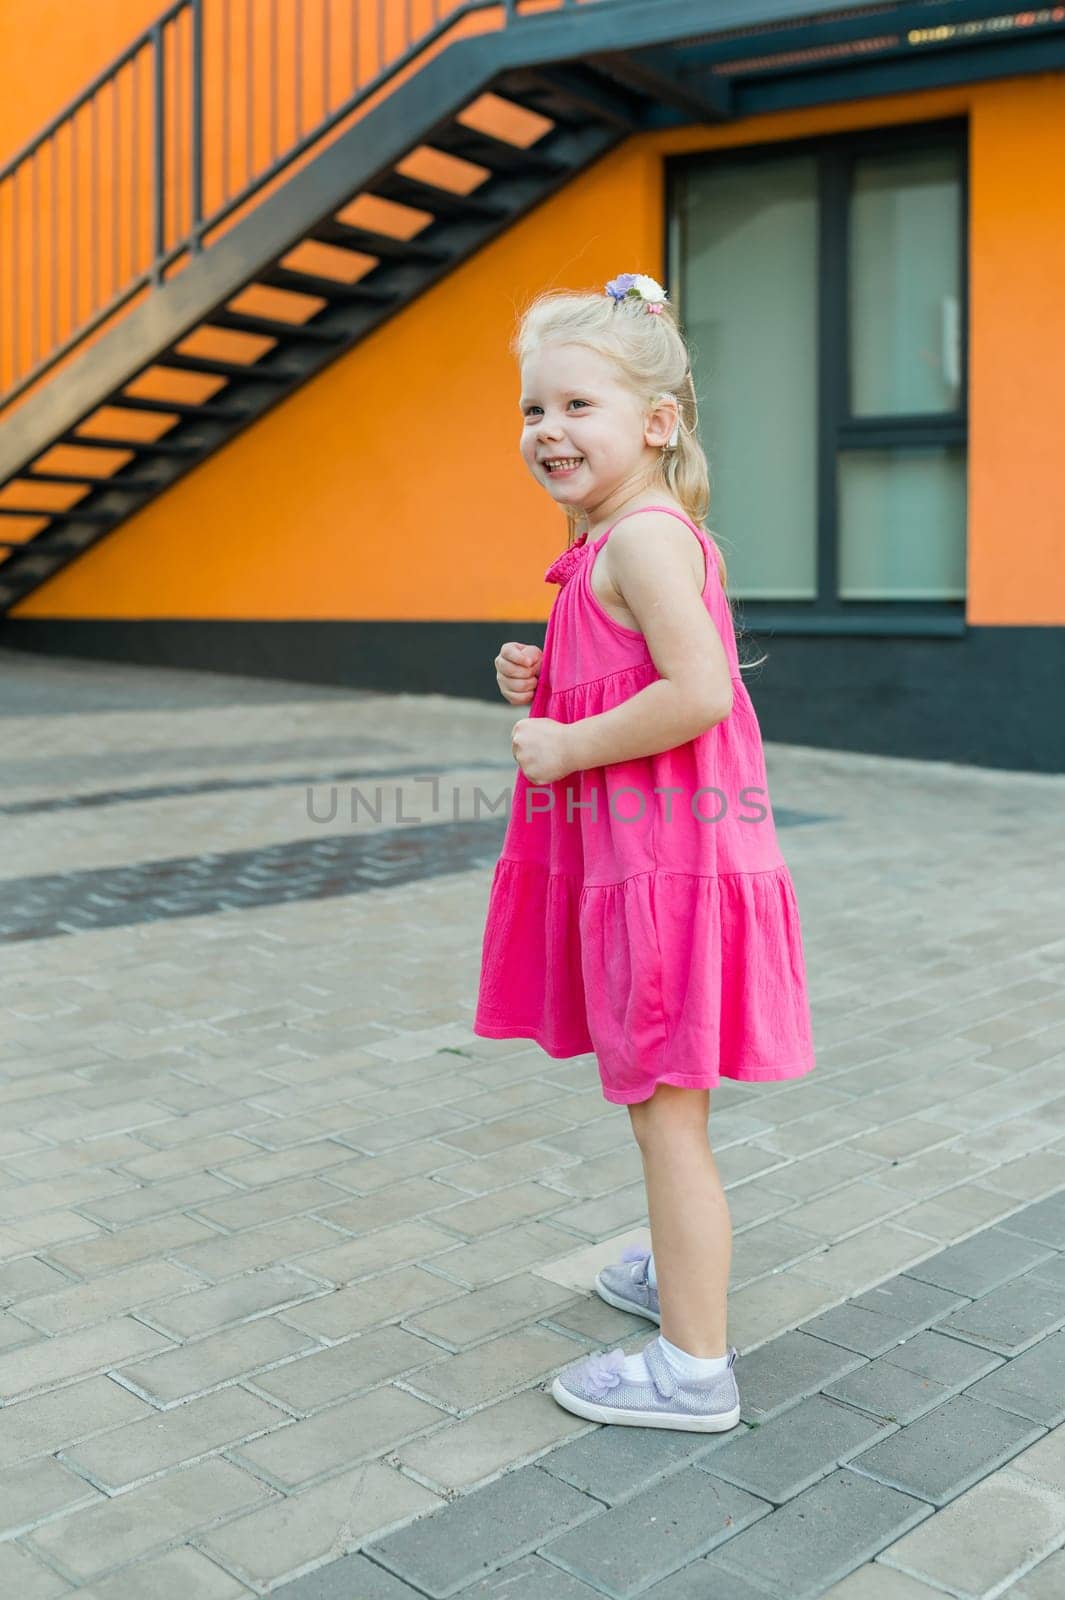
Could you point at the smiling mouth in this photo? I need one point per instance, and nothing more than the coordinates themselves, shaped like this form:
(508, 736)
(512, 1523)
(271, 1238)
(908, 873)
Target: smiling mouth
(561, 463)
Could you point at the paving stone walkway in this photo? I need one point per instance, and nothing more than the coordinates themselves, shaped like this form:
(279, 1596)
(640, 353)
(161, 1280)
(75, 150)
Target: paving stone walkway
(288, 1256)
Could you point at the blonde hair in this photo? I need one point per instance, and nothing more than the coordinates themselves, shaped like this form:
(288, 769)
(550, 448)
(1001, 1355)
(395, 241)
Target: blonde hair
(652, 359)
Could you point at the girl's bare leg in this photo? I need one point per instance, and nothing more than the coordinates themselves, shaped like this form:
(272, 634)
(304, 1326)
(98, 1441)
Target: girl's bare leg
(691, 1229)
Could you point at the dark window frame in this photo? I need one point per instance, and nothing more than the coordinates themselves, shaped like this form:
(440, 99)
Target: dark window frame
(837, 429)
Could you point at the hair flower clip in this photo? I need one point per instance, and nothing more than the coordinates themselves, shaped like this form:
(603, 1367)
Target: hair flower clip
(637, 286)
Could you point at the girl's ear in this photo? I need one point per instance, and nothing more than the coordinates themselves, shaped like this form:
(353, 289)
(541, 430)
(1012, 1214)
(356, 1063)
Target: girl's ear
(671, 444)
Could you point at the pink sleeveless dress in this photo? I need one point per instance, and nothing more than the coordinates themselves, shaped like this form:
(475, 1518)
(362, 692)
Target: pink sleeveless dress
(643, 910)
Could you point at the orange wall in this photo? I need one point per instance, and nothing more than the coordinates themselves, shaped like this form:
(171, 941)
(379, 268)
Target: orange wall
(390, 487)
(49, 51)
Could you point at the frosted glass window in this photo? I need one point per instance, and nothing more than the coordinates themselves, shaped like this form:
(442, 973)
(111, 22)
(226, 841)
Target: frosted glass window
(749, 293)
(902, 524)
(905, 294)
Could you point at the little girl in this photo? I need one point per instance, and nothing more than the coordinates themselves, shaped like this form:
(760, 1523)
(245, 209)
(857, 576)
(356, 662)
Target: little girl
(641, 907)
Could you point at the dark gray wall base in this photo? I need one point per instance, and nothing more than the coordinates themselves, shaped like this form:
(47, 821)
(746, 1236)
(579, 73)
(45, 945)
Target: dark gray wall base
(991, 697)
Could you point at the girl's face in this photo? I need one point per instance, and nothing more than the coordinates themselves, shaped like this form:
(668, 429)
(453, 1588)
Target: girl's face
(574, 405)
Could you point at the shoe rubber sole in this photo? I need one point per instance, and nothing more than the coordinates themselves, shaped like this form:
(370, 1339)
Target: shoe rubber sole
(622, 1304)
(712, 1422)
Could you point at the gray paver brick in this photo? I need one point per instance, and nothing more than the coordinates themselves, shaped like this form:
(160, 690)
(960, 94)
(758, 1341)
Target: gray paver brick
(951, 1362)
(47, 1422)
(614, 1463)
(338, 1437)
(706, 1580)
(446, 1551)
(286, 1536)
(1049, 1272)
(1032, 1385)
(495, 1368)
(154, 1443)
(987, 1536)
(654, 1532)
(531, 1578)
(14, 1332)
(410, 1197)
(35, 1490)
(878, 1581)
(114, 1532)
(394, 1294)
(785, 1455)
(79, 1305)
(490, 1440)
(23, 1575)
(1009, 1318)
(27, 1276)
(261, 1168)
(487, 1137)
(218, 1256)
(258, 1207)
(323, 1377)
(238, 1352)
(1043, 1222)
(868, 1333)
(108, 1252)
(786, 1370)
(388, 1247)
(501, 1208)
(501, 1255)
(947, 1449)
(887, 1390)
(137, 1205)
(441, 1121)
(821, 1535)
(20, 1200)
(182, 1574)
(981, 1263)
(1046, 1581)
(909, 1300)
(104, 1345)
(482, 1312)
(234, 1300)
(350, 1577)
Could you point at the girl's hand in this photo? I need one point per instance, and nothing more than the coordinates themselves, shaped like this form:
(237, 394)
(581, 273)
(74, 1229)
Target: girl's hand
(517, 668)
(541, 748)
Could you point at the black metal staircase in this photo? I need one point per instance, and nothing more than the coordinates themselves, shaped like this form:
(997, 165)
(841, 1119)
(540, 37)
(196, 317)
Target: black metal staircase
(594, 71)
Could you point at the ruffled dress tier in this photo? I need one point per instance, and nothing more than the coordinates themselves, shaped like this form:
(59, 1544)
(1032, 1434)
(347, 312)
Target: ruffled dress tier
(643, 910)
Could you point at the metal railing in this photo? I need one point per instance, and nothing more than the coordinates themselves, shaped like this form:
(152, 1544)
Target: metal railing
(117, 187)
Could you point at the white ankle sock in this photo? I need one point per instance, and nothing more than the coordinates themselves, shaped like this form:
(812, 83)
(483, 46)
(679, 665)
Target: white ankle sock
(684, 1365)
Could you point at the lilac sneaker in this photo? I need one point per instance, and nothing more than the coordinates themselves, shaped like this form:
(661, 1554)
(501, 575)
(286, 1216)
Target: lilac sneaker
(593, 1387)
(624, 1284)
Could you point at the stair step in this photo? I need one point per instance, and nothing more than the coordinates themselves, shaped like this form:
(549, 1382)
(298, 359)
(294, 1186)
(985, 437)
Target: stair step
(70, 515)
(327, 288)
(246, 371)
(35, 558)
(570, 94)
(244, 322)
(366, 242)
(85, 482)
(158, 447)
(442, 203)
(181, 408)
(501, 158)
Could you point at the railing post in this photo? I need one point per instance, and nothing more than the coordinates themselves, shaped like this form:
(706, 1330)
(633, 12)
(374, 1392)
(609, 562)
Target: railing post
(196, 175)
(158, 154)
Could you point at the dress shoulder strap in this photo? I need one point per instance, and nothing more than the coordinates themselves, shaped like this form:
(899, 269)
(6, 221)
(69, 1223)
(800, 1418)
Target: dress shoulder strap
(673, 511)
